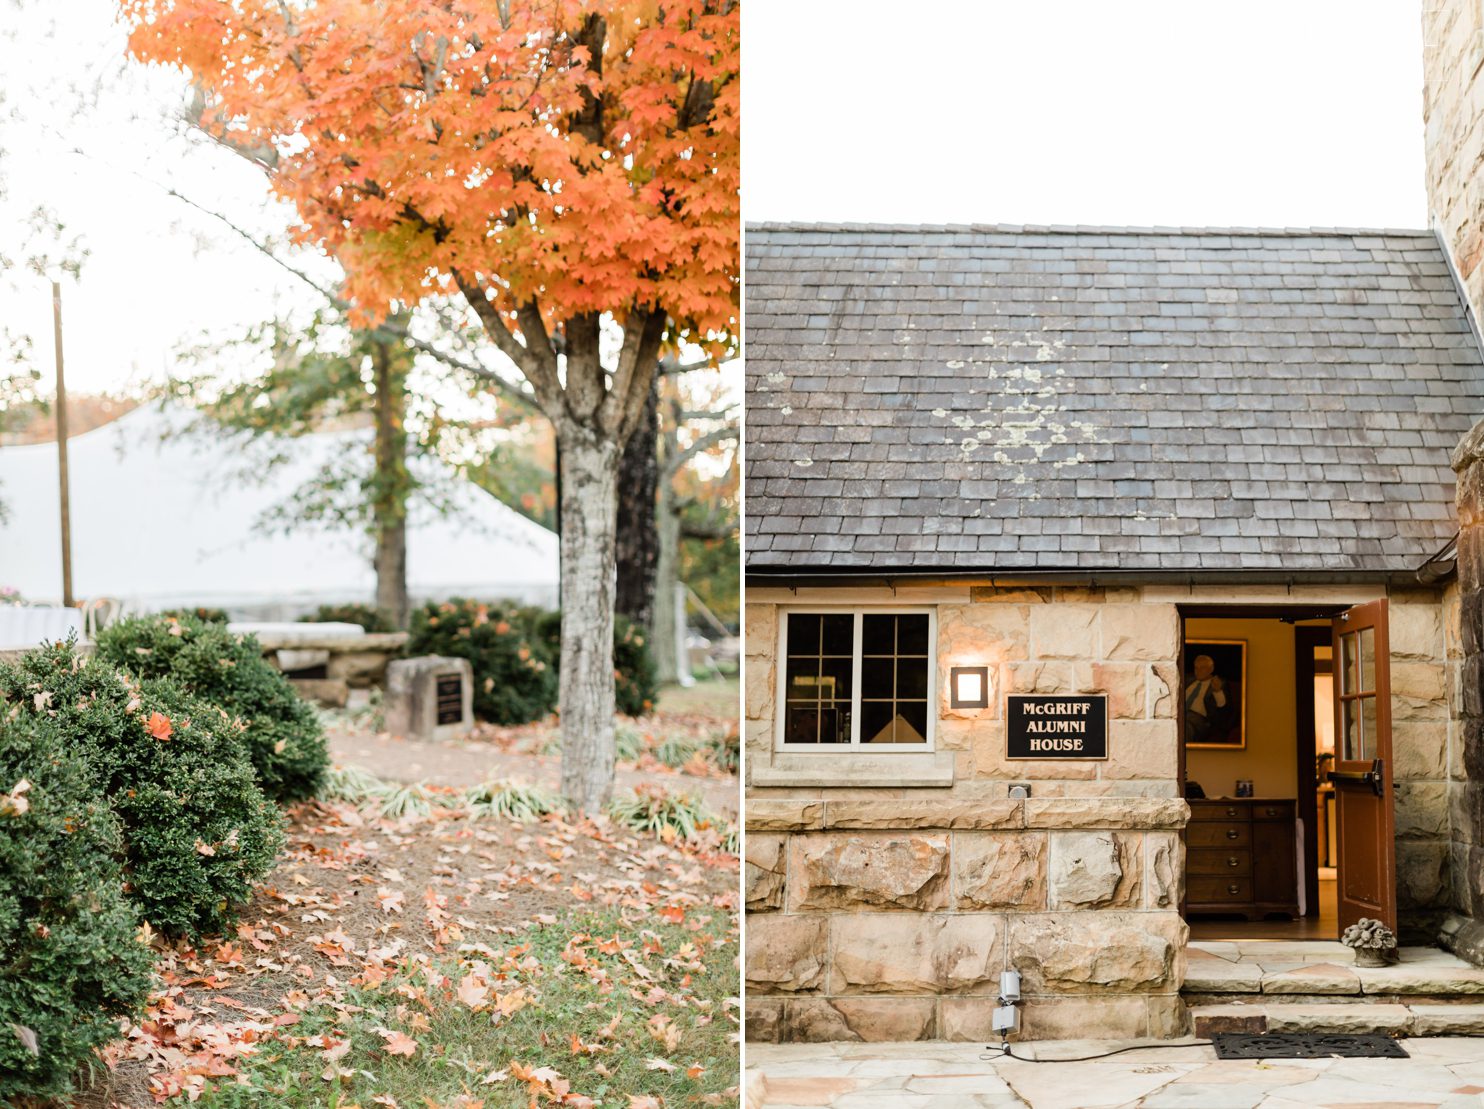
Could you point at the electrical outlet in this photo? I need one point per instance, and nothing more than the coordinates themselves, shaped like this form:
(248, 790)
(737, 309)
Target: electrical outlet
(1005, 1019)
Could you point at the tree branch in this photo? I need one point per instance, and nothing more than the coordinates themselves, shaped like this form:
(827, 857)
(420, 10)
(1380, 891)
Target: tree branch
(705, 442)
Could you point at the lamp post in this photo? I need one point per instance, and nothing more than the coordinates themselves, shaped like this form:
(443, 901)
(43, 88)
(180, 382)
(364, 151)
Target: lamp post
(62, 448)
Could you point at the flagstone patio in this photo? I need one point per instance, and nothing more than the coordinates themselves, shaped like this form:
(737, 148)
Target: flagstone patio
(1443, 1073)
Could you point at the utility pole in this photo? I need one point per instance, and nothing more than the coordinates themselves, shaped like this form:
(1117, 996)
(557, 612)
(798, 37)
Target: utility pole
(62, 448)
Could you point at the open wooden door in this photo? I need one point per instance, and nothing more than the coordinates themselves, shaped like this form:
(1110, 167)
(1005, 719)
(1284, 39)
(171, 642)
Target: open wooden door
(1364, 816)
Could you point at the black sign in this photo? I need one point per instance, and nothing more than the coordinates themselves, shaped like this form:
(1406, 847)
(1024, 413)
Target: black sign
(450, 699)
(1074, 726)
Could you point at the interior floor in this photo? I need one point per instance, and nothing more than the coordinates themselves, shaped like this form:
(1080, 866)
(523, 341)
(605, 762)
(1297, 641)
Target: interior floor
(1325, 926)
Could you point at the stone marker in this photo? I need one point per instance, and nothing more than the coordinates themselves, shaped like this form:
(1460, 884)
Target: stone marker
(429, 697)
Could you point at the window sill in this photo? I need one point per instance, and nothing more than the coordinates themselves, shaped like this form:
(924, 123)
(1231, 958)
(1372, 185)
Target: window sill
(924, 770)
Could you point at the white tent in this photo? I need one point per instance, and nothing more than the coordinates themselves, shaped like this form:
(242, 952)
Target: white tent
(162, 519)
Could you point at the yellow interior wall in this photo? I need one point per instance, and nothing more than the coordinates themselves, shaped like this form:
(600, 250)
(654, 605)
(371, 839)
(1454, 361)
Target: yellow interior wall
(1272, 712)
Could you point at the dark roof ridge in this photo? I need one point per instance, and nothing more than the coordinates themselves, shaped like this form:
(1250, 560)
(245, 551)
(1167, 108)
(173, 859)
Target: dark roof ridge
(1070, 229)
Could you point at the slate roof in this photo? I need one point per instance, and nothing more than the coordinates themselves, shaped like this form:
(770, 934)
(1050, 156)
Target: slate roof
(1080, 399)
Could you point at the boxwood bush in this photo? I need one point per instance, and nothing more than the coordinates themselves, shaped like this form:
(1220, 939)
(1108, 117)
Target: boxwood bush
(197, 830)
(71, 962)
(635, 686)
(514, 681)
(285, 739)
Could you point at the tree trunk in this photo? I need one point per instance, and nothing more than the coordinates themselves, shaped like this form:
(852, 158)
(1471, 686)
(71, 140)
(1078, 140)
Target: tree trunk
(667, 657)
(389, 488)
(638, 538)
(589, 510)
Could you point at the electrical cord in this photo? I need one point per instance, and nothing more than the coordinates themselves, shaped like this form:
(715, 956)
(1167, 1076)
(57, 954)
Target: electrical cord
(1004, 1052)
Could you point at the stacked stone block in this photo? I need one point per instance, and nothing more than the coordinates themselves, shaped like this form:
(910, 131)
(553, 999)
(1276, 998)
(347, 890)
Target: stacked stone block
(870, 924)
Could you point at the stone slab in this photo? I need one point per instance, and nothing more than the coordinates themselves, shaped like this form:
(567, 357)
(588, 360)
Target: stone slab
(1322, 978)
(1367, 1017)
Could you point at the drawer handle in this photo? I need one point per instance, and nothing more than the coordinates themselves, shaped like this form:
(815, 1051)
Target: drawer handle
(1233, 889)
(1231, 812)
(1233, 862)
(1231, 833)
(1270, 812)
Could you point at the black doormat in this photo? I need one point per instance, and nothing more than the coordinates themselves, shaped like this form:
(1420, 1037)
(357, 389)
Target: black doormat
(1305, 1045)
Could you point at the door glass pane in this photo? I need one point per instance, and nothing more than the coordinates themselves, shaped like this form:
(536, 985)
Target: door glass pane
(1347, 665)
(1368, 731)
(1367, 658)
(1350, 725)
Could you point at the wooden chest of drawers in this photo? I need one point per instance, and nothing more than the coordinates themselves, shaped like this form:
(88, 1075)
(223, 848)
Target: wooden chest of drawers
(1240, 857)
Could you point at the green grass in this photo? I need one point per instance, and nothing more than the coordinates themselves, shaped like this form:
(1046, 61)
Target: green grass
(676, 1011)
(716, 696)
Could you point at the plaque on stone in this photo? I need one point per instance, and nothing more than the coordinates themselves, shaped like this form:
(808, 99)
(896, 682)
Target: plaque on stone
(1060, 726)
(429, 697)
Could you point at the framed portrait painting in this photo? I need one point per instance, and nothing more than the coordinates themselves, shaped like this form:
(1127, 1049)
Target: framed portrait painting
(1215, 693)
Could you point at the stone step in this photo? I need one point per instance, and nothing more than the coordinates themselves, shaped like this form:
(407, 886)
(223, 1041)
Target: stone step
(1421, 1019)
(1312, 970)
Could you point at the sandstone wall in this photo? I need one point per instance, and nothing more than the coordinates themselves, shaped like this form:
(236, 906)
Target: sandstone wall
(882, 911)
(1453, 54)
(886, 893)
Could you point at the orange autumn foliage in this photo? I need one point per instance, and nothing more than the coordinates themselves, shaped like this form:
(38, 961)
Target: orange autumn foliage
(582, 155)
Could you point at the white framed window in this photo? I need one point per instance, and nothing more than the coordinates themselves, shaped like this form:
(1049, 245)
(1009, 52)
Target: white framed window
(857, 679)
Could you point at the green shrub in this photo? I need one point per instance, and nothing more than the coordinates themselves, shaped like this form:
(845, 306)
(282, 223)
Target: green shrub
(512, 801)
(285, 739)
(197, 830)
(635, 685)
(653, 811)
(71, 962)
(370, 617)
(201, 612)
(514, 681)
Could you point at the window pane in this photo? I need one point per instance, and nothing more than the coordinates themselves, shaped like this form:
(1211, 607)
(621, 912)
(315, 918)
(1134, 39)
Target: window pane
(1350, 723)
(839, 634)
(912, 635)
(801, 724)
(1368, 731)
(1347, 667)
(876, 719)
(912, 677)
(878, 635)
(834, 723)
(834, 682)
(803, 634)
(1367, 659)
(912, 721)
(876, 677)
(803, 679)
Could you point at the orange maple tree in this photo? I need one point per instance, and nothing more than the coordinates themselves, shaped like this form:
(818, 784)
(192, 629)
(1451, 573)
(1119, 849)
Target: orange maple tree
(556, 163)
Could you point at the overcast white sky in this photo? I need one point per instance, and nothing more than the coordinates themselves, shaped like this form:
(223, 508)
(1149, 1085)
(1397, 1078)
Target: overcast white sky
(1053, 111)
(1143, 112)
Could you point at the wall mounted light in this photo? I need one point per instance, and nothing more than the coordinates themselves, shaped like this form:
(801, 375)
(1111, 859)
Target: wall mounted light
(968, 687)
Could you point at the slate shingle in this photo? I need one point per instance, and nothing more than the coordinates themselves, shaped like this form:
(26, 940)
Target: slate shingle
(1102, 399)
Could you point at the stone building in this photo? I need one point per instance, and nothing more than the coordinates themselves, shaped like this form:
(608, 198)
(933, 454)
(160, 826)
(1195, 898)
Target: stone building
(1015, 497)
(1070, 463)
(1453, 109)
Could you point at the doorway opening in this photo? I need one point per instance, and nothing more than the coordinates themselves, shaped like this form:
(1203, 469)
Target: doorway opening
(1257, 727)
